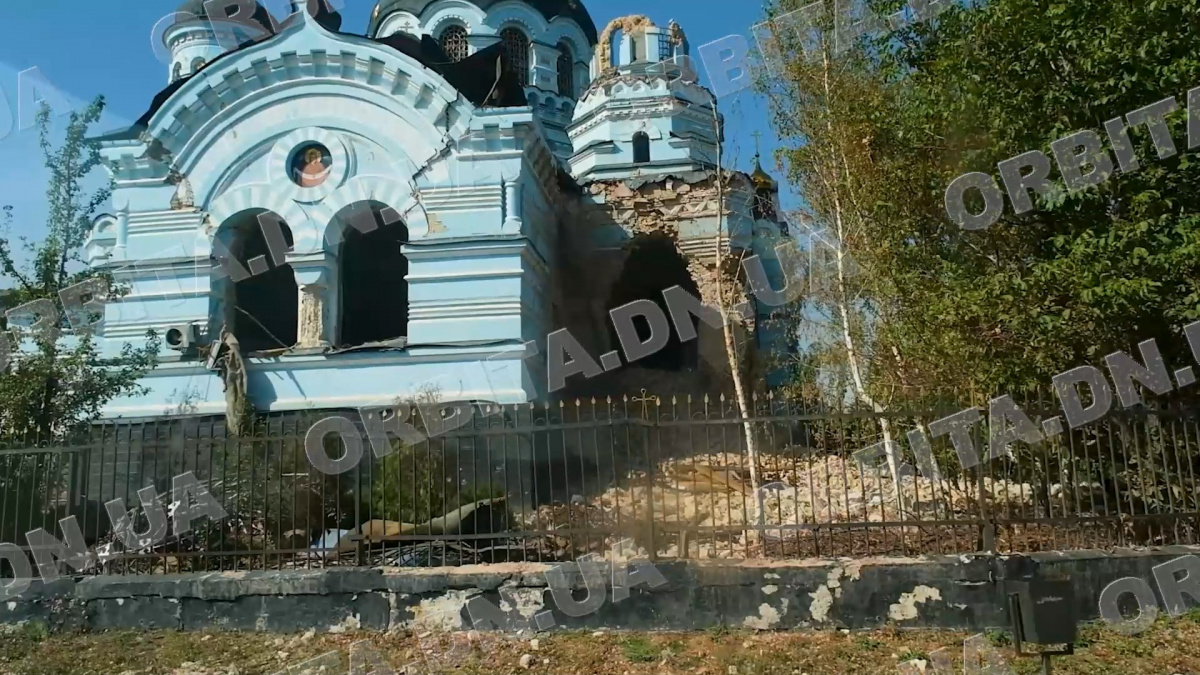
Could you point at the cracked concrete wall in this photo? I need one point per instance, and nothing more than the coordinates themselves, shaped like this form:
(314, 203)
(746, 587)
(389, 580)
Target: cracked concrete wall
(953, 592)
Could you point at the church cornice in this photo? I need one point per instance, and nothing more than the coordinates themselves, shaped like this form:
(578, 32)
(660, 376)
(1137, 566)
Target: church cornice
(640, 109)
(303, 56)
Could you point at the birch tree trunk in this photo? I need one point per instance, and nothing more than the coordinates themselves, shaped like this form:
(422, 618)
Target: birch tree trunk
(731, 351)
(842, 296)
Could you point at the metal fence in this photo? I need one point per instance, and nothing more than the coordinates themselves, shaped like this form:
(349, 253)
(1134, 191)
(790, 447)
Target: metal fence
(670, 476)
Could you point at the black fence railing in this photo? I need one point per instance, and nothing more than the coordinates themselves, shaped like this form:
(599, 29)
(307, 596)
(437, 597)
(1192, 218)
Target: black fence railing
(669, 476)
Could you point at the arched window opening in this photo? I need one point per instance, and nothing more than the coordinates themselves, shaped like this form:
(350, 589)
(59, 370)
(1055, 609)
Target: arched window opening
(197, 64)
(653, 266)
(641, 148)
(516, 53)
(177, 71)
(566, 70)
(633, 48)
(614, 48)
(262, 309)
(374, 271)
(454, 42)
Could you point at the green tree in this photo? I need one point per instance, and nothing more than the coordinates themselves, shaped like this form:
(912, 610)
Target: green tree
(1083, 274)
(59, 380)
(948, 316)
(828, 100)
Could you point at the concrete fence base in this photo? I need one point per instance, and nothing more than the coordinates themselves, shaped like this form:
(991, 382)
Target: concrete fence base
(953, 592)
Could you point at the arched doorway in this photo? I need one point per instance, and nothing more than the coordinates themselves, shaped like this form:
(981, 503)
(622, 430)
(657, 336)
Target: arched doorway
(653, 266)
(261, 304)
(372, 272)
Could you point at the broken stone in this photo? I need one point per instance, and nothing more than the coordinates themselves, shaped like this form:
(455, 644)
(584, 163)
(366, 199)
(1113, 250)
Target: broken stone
(526, 661)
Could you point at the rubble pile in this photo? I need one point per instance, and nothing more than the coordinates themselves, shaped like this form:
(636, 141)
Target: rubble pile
(705, 502)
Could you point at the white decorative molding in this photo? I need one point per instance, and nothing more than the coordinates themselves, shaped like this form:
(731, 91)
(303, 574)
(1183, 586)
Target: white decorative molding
(562, 28)
(390, 192)
(429, 310)
(399, 22)
(297, 68)
(438, 14)
(517, 13)
(465, 198)
(266, 196)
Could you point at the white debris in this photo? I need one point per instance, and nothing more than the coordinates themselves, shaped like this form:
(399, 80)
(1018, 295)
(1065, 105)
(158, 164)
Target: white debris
(767, 617)
(906, 608)
(821, 604)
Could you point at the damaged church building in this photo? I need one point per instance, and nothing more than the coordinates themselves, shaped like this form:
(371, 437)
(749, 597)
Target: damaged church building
(318, 220)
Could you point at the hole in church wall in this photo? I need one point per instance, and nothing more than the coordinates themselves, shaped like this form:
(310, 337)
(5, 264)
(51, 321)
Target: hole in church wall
(263, 308)
(373, 269)
(654, 265)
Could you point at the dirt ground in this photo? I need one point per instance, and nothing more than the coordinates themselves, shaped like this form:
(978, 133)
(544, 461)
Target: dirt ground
(1170, 646)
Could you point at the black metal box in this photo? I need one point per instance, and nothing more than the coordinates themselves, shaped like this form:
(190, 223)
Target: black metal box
(1044, 611)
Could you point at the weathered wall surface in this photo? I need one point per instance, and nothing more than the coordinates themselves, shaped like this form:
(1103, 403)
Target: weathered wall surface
(966, 592)
(594, 251)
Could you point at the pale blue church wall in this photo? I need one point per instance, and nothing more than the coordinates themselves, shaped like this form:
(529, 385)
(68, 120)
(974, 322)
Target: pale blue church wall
(555, 113)
(476, 189)
(463, 293)
(472, 188)
(607, 119)
(360, 379)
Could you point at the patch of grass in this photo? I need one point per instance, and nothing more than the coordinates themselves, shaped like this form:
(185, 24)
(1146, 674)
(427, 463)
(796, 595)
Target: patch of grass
(1165, 648)
(1192, 615)
(638, 649)
(1088, 636)
(717, 632)
(910, 654)
(35, 631)
(867, 643)
(999, 638)
(1130, 646)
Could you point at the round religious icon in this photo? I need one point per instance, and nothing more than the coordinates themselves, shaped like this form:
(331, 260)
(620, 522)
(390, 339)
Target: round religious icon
(310, 165)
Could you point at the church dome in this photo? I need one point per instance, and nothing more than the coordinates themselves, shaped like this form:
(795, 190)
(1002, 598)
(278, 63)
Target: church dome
(570, 9)
(196, 9)
(761, 179)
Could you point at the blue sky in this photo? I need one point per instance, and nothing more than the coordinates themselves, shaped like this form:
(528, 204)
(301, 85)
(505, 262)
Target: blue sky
(86, 48)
